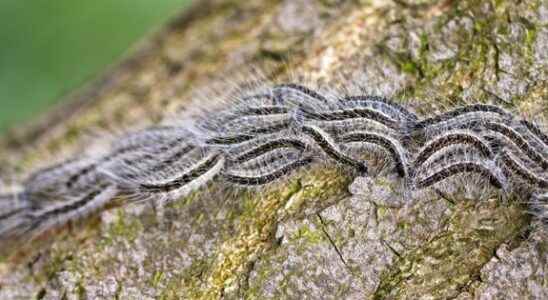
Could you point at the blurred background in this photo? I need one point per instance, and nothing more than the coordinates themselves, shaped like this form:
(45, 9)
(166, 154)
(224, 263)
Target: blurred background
(50, 47)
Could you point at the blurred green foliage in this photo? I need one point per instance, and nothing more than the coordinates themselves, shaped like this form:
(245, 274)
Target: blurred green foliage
(50, 47)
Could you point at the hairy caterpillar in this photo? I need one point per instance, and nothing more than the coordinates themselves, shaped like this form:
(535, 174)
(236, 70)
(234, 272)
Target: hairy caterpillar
(266, 136)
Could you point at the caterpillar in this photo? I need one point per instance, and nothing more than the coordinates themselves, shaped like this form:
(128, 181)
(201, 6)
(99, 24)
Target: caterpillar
(453, 169)
(266, 136)
(268, 177)
(461, 111)
(269, 146)
(381, 104)
(451, 138)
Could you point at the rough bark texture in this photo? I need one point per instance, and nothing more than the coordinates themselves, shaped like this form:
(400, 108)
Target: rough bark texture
(310, 237)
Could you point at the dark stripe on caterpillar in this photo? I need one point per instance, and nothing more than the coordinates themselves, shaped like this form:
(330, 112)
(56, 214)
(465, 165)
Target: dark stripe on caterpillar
(229, 140)
(71, 206)
(37, 218)
(264, 110)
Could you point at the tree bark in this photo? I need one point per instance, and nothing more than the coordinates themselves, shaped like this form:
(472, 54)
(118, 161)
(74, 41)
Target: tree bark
(309, 237)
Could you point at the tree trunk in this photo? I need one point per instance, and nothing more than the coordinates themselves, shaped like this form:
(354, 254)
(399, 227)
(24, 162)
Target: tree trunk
(309, 237)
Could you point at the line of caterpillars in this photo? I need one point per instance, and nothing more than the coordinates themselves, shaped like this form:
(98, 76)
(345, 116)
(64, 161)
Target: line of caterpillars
(265, 136)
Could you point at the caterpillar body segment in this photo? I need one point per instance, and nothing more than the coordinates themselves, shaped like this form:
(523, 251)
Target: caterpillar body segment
(61, 180)
(239, 135)
(507, 136)
(534, 128)
(454, 137)
(512, 137)
(36, 218)
(260, 179)
(462, 111)
(229, 139)
(514, 166)
(296, 93)
(13, 208)
(72, 209)
(173, 183)
(268, 147)
(381, 104)
(326, 143)
(488, 171)
(390, 145)
(366, 114)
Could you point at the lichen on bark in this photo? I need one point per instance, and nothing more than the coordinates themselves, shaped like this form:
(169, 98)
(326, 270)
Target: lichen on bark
(308, 236)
